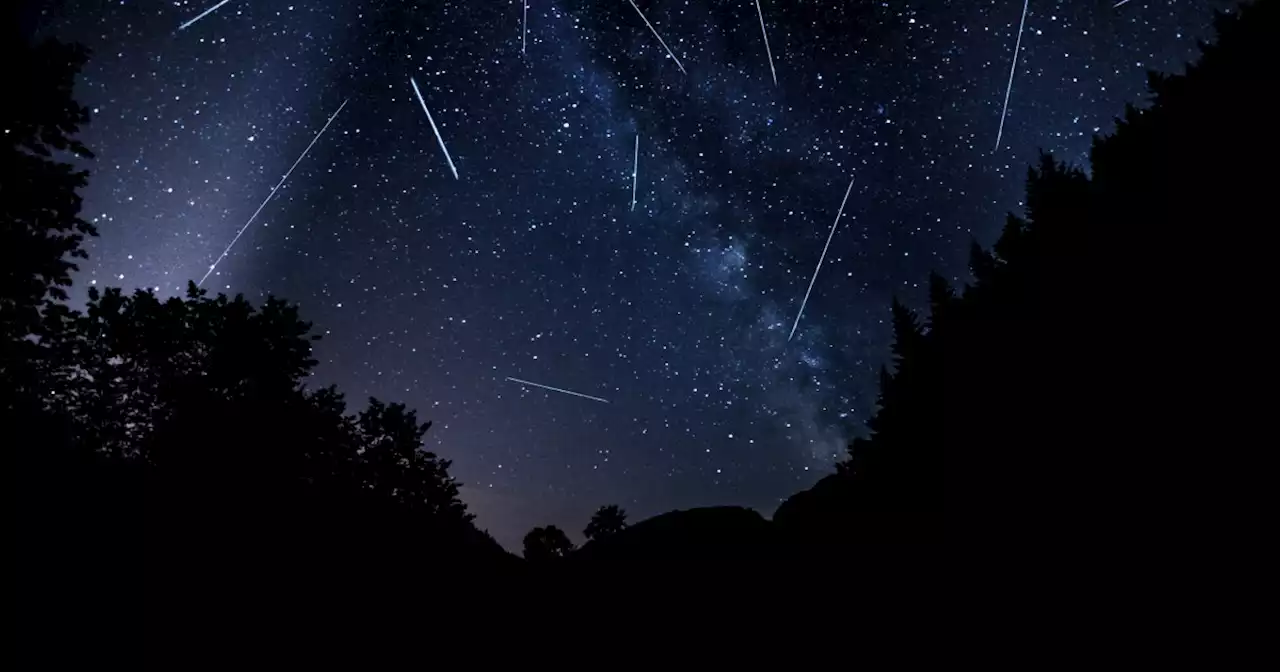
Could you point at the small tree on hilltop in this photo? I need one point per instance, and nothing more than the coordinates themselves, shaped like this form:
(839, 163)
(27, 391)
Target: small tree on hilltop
(606, 522)
(546, 543)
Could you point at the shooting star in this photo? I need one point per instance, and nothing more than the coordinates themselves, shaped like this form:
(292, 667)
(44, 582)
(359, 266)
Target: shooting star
(1014, 68)
(203, 14)
(557, 389)
(433, 127)
(767, 50)
(524, 29)
(1120, 4)
(239, 233)
(635, 172)
(655, 34)
(820, 260)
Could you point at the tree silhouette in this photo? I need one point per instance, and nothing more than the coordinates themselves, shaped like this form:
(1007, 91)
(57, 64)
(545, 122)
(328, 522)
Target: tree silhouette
(165, 438)
(543, 544)
(395, 465)
(40, 209)
(209, 392)
(1064, 340)
(605, 522)
(135, 370)
(41, 230)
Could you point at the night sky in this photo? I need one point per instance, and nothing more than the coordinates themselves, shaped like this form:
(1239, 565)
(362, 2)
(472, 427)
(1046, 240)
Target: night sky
(532, 264)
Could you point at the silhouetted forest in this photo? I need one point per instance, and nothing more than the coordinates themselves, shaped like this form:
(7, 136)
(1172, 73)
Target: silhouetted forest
(1089, 362)
(171, 467)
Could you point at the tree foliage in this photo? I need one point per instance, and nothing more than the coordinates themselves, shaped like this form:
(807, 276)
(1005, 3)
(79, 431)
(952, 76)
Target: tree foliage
(202, 385)
(39, 207)
(155, 435)
(193, 384)
(543, 544)
(41, 231)
(605, 522)
(205, 391)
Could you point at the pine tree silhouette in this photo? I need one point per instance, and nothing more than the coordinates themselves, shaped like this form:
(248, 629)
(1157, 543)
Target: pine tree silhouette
(1064, 360)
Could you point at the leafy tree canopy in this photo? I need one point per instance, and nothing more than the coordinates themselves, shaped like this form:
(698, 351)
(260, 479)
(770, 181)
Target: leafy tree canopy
(543, 544)
(605, 522)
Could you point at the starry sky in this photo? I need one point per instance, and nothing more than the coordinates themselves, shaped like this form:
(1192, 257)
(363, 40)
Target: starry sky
(533, 263)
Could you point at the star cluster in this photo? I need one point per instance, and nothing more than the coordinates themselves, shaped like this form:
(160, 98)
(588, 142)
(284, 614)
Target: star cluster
(533, 264)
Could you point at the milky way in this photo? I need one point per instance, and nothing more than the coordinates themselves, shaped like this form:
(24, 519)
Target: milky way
(535, 265)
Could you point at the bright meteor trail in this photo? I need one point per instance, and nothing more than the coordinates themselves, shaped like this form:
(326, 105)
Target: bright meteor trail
(1014, 68)
(767, 50)
(820, 260)
(557, 389)
(635, 173)
(655, 34)
(203, 14)
(239, 233)
(433, 127)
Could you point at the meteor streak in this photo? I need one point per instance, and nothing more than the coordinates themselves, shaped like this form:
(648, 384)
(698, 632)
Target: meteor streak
(820, 260)
(1120, 4)
(766, 43)
(1014, 68)
(635, 172)
(524, 30)
(433, 127)
(203, 14)
(655, 34)
(557, 389)
(239, 233)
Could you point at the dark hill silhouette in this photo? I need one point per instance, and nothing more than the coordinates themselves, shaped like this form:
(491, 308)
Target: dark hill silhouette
(704, 538)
